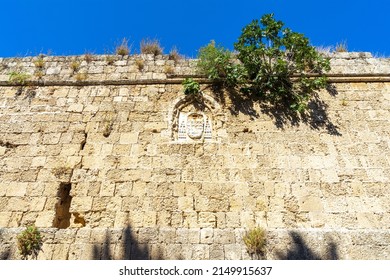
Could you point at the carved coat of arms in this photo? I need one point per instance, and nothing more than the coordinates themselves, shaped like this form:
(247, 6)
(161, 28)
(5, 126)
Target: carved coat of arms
(195, 125)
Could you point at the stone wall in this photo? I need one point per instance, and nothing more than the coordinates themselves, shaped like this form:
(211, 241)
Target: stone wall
(116, 163)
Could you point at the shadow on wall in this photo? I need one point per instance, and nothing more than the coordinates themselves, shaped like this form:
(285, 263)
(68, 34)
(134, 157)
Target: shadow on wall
(5, 250)
(316, 116)
(301, 251)
(127, 248)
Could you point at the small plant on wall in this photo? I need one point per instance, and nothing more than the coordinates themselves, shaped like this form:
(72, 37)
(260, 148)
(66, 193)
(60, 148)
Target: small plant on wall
(149, 46)
(18, 77)
(39, 62)
(255, 242)
(191, 87)
(75, 65)
(29, 242)
(123, 48)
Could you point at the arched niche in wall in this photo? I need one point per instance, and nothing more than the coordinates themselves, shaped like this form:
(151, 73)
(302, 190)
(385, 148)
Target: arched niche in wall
(196, 118)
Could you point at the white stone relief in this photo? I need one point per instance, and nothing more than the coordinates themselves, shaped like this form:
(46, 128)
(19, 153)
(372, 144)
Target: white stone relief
(196, 120)
(194, 126)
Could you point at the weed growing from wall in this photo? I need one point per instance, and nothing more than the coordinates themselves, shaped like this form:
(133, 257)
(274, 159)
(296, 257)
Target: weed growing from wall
(255, 242)
(341, 47)
(168, 69)
(19, 77)
(110, 59)
(88, 57)
(149, 46)
(29, 242)
(81, 77)
(123, 48)
(39, 62)
(174, 55)
(140, 64)
(75, 65)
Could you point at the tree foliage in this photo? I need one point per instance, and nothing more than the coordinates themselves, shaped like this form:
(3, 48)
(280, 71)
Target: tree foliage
(191, 87)
(271, 62)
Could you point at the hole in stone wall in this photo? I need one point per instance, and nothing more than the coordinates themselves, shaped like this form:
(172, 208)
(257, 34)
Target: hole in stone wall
(79, 219)
(62, 218)
(82, 144)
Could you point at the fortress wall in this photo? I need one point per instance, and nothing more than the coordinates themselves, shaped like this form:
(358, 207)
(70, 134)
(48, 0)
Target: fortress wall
(100, 165)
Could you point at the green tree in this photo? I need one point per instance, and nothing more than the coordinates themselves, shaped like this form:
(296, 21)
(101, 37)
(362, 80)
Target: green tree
(272, 62)
(218, 64)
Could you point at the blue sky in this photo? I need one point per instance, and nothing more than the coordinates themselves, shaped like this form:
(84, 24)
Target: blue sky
(72, 27)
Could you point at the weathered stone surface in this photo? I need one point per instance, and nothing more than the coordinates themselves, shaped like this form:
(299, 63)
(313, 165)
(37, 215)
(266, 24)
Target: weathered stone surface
(135, 190)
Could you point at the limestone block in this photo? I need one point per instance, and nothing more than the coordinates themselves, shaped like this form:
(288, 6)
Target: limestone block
(123, 189)
(233, 251)
(179, 188)
(329, 175)
(128, 138)
(38, 161)
(45, 219)
(148, 235)
(185, 203)
(81, 251)
(131, 203)
(3, 189)
(75, 108)
(5, 218)
(175, 252)
(60, 252)
(182, 235)
(47, 252)
(51, 138)
(216, 252)
(261, 219)
(53, 70)
(224, 236)
(136, 218)
(221, 219)
(207, 220)
(190, 219)
(202, 203)
(16, 189)
(99, 235)
(17, 204)
(247, 219)
(206, 236)
(70, 149)
(200, 252)
(121, 219)
(167, 235)
(121, 149)
(276, 203)
(368, 220)
(2, 150)
(83, 235)
(194, 235)
(233, 219)
(269, 188)
(275, 220)
(118, 175)
(37, 203)
(81, 204)
(107, 189)
(311, 204)
(150, 219)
